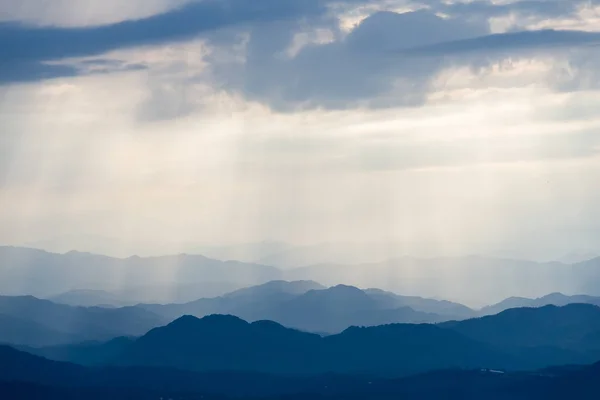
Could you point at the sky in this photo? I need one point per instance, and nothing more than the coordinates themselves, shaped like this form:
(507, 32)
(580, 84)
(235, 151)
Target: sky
(471, 127)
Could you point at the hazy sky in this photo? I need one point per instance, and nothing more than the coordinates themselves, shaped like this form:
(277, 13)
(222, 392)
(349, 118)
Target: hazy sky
(224, 121)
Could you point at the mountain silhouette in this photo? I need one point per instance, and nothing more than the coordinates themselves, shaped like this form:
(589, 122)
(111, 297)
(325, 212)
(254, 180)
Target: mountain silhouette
(44, 274)
(275, 288)
(90, 298)
(63, 324)
(86, 353)
(337, 308)
(224, 343)
(469, 279)
(516, 339)
(308, 306)
(555, 299)
(448, 309)
(569, 334)
(227, 343)
(24, 376)
(18, 331)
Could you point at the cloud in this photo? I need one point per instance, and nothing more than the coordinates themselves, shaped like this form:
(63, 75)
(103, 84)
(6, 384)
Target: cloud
(260, 51)
(69, 13)
(389, 59)
(527, 8)
(29, 48)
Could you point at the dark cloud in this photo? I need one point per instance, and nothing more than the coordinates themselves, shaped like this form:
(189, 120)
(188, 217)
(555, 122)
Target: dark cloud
(22, 71)
(526, 40)
(354, 70)
(388, 60)
(26, 49)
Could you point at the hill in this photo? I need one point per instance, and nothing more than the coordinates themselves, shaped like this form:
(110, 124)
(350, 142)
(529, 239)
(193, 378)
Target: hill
(570, 334)
(18, 331)
(24, 376)
(516, 339)
(36, 322)
(308, 306)
(555, 299)
(90, 298)
(545, 326)
(43, 274)
(334, 309)
(469, 280)
(227, 343)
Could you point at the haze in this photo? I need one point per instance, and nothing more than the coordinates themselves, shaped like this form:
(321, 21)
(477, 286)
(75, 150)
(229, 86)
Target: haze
(434, 128)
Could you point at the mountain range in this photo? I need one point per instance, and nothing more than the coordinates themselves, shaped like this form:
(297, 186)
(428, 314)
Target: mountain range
(25, 376)
(303, 305)
(516, 339)
(182, 278)
(473, 280)
(30, 321)
(154, 279)
(309, 306)
(556, 299)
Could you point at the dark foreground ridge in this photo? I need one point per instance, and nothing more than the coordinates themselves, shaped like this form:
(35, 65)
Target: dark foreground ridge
(24, 376)
(515, 340)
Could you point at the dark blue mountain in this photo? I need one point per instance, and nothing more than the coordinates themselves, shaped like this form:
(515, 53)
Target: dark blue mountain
(23, 376)
(553, 335)
(309, 307)
(555, 299)
(226, 343)
(30, 321)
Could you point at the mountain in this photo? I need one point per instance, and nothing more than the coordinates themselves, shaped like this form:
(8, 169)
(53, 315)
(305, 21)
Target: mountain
(308, 306)
(276, 288)
(19, 331)
(334, 309)
(250, 303)
(227, 343)
(90, 298)
(115, 247)
(86, 353)
(182, 278)
(43, 376)
(246, 252)
(41, 322)
(470, 280)
(572, 331)
(43, 274)
(24, 376)
(515, 339)
(448, 309)
(556, 299)
(575, 257)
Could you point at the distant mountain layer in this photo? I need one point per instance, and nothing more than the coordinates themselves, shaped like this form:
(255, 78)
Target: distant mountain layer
(24, 376)
(517, 339)
(156, 279)
(470, 280)
(559, 335)
(308, 306)
(184, 278)
(33, 322)
(225, 343)
(556, 299)
(304, 305)
(90, 298)
(18, 331)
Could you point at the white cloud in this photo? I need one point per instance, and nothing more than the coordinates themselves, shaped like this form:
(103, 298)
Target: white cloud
(78, 13)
